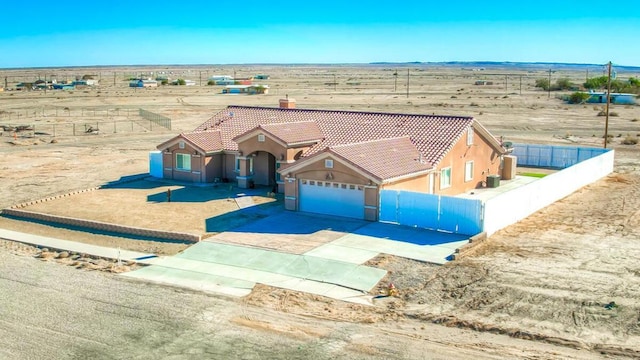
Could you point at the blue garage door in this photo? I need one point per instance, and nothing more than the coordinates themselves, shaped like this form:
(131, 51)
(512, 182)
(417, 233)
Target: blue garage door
(331, 198)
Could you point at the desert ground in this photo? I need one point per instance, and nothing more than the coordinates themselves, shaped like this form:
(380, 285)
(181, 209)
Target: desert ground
(535, 290)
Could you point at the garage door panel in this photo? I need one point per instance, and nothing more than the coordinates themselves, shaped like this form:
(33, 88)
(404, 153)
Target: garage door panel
(332, 198)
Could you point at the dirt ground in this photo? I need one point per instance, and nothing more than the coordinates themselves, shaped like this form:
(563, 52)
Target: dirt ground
(563, 283)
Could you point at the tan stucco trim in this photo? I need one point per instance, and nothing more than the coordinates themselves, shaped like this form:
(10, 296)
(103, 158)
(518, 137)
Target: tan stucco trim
(300, 164)
(482, 131)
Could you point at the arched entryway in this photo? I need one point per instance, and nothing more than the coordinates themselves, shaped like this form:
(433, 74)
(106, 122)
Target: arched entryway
(264, 169)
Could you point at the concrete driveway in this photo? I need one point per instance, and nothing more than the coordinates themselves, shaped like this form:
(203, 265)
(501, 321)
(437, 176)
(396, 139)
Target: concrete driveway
(297, 251)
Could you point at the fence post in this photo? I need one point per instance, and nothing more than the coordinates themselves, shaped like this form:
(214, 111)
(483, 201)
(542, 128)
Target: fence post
(74, 130)
(132, 127)
(114, 127)
(54, 131)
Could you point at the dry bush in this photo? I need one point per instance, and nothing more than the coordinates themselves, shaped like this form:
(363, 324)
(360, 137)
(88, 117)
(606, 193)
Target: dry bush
(630, 140)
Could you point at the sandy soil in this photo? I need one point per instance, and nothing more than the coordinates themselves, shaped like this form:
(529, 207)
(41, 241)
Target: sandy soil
(546, 280)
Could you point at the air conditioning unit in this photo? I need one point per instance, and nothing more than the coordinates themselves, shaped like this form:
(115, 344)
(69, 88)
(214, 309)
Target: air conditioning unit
(493, 181)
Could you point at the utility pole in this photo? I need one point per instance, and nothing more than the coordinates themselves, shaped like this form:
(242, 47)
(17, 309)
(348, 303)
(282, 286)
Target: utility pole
(587, 79)
(606, 120)
(335, 84)
(505, 84)
(407, 82)
(114, 78)
(520, 84)
(549, 85)
(200, 77)
(395, 82)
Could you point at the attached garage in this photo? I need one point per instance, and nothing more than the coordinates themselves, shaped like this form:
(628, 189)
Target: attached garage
(331, 198)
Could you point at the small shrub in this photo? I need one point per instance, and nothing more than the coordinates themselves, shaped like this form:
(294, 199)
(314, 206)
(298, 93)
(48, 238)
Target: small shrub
(613, 113)
(474, 104)
(602, 113)
(630, 140)
(454, 97)
(505, 97)
(578, 97)
(634, 120)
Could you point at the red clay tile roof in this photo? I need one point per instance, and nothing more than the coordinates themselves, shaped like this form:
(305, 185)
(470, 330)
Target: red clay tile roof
(290, 132)
(209, 141)
(432, 135)
(384, 158)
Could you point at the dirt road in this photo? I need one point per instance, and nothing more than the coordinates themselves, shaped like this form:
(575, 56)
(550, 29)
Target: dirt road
(48, 310)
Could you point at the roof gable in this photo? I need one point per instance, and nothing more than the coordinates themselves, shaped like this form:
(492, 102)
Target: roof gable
(204, 141)
(288, 133)
(382, 160)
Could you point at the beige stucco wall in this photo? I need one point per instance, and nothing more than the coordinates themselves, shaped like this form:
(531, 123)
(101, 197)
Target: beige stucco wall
(418, 184)
(486, 161)
(339, 173)
(197, 173)
(251, 145)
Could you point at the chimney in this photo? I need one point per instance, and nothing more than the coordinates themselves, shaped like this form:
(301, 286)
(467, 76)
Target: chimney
(287, 103)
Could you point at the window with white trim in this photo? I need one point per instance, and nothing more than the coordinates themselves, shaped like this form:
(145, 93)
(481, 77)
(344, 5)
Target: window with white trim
(181, 144)
(328, 163)
(278, 176)
(237, 165)
(260, 137)
(183, 162)
(468, 171)
(445, 178)
(469, 136)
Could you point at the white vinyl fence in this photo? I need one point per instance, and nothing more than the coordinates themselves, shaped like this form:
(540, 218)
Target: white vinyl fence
(580, 167)
(513, 206)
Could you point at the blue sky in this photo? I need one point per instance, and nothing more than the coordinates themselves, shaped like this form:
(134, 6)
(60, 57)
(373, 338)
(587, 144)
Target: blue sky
(72, 33)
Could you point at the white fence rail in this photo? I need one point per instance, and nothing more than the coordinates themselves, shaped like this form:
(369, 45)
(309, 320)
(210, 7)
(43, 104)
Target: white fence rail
(515, 205)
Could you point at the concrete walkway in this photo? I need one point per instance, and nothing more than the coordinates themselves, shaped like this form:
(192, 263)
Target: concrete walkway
(72, 246)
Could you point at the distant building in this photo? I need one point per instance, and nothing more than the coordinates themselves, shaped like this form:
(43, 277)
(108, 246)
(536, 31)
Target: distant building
(143, 83)
(246, 89)
(262, 77)
(186, 82)
(483, 82)
(615, 98)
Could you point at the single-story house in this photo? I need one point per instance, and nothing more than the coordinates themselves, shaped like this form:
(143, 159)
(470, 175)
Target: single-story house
(221, 77)
(246, 89)
(262, 77)
(615, 98)
(143, 83)
(483, 82)
(334, 161)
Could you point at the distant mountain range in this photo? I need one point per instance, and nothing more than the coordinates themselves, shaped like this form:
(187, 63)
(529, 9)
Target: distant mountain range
(509, 64)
